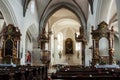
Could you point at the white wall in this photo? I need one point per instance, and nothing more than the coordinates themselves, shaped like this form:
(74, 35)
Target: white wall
(13, 14)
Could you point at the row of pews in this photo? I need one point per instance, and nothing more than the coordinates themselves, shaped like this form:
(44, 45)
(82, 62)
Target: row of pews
(23, 73)
(86, 73)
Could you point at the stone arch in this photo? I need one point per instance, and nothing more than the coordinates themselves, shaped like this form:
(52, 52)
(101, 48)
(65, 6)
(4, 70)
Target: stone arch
(8, 12)
(103, 11)
(78, 12)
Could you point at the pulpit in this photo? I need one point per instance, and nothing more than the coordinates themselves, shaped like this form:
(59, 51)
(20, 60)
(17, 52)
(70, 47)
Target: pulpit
(44, 53)
(43, 38)
(45, 56)
(10, 37)
(103, 47)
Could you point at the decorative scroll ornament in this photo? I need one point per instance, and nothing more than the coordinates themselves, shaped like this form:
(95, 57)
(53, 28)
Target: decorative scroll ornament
(11, 31)
(42, 39)
(80, 38)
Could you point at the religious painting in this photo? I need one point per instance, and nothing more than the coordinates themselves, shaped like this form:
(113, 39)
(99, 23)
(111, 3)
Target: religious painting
(69, 46)
(9, 47)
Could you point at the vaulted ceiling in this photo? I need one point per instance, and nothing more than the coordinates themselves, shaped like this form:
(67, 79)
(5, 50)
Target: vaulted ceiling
(1, 16)
(44, 6)
(64, 19)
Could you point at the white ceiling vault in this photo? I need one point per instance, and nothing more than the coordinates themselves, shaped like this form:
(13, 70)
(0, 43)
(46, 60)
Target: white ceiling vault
(47, 4)
(63, 19)
(77, 10)
(74, 10)
(46, 8)
(54, 5)
(68, 10)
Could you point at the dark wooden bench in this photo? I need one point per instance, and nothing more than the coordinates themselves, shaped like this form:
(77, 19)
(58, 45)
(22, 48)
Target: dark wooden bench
(86, 73)
(23, 73)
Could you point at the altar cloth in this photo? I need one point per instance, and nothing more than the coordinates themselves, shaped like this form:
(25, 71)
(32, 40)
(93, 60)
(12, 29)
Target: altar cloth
(14, 65)
(107, 66)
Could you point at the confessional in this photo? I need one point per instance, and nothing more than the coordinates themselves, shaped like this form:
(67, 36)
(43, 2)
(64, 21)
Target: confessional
(10, 45)
(101, 32)
(81, 38)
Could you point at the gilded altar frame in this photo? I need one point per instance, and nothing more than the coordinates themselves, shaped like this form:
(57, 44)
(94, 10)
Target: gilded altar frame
(102, 31)
(10, 37)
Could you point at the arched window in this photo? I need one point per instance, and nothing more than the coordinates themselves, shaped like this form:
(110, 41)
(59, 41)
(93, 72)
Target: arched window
(60, 41)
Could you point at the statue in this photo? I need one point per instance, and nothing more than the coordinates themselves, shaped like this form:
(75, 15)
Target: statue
(28, 57)
(96, 53)
(111, 55)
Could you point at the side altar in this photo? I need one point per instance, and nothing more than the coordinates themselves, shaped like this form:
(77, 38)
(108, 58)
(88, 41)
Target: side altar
(10, 45)
(106, 35)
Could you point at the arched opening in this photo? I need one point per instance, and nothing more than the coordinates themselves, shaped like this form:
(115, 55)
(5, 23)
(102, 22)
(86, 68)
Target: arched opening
(61, 25)
(29, 45)
(2, 25)
(77, 11)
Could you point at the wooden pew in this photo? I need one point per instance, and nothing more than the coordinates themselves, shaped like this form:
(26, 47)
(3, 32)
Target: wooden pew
(86, 73)
(23, 73)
